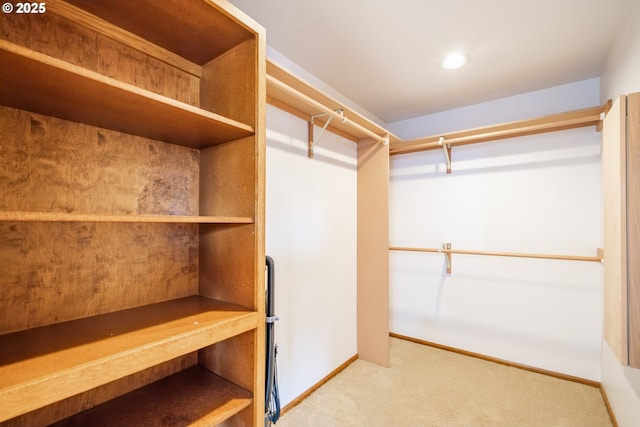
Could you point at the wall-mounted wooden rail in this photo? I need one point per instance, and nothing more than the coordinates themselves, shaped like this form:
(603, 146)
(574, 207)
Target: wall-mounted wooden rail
(447, 251)
(298, 97)
(555, 122)
(272, 81)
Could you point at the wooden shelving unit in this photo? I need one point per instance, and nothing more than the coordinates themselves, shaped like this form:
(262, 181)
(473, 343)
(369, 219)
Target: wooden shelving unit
(194, 397)
(46, 85)
(132, 215)
(42, 362)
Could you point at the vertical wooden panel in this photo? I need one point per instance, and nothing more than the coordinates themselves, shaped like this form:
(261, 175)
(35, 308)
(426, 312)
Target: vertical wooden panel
(54, 272)
(229, 183)
(232, 182)
(61, 166)
(14, 158)
(373, 252)
(228, 82)
(228, 263)
(633, 225)
(228, 179)
(614, 200)
(239, 369)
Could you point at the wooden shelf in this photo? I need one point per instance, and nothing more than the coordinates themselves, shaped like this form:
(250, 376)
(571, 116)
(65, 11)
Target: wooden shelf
(551, 123)
(192, 397)
(22, 216)
(43, 365)
(209, 29)
(298, 97)
(46, 85)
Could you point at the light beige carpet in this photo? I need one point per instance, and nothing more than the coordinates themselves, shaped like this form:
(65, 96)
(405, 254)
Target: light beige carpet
(429, 387)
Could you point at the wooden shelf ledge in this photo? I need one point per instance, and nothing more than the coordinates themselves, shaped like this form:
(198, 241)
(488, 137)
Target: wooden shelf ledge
(551, 123)
(195, 397)
(46, 85)
(43, 365)
(24, 216)
(219, 26)
(298, 97)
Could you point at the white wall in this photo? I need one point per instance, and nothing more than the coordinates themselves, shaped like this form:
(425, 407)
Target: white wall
(519, 107)
(538, 194)
(306, 76)
(621, 73)
(311, 234)
(621, 76)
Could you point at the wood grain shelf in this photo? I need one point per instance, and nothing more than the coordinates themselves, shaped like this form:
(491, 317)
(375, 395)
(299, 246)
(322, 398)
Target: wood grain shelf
(134, 143)
(551, 123)
(43, 365)
(23, 216)
(46, 85)
(208, 31)
(194, 397)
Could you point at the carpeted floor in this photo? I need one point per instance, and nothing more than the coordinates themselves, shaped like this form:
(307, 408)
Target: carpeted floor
(427, 387)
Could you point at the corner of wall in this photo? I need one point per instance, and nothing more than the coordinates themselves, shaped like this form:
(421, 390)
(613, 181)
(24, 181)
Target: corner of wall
(622, 386)
(621, 69)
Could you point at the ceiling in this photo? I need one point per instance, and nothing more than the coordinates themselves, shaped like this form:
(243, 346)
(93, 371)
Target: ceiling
(384, 55)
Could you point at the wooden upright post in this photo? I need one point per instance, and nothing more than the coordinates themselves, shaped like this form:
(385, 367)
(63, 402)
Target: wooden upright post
(615, 244)
(373, 251)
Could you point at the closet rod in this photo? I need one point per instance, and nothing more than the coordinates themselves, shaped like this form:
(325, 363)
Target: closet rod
(277, 83)
(503, 254)
(555, 122)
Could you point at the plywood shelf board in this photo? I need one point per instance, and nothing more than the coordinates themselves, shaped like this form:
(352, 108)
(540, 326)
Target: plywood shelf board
(54, 362)
(22, 216)
(194, 397)
(208, 30)
(75, 14)
(49, 86)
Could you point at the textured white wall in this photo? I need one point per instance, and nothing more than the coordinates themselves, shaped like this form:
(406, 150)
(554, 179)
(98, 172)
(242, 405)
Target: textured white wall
(621, 76)
(538, 194)
(311, 234)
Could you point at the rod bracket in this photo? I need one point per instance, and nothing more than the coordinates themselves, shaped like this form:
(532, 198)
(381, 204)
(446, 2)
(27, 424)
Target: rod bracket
(446, 148)
(312, 141)
(446, 250)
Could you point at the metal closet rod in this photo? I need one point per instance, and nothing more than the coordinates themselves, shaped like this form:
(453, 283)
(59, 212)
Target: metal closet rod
(597, 258)
(275, 82)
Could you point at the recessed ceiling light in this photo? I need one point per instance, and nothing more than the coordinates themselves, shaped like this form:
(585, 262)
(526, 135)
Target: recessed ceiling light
(454, 61)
